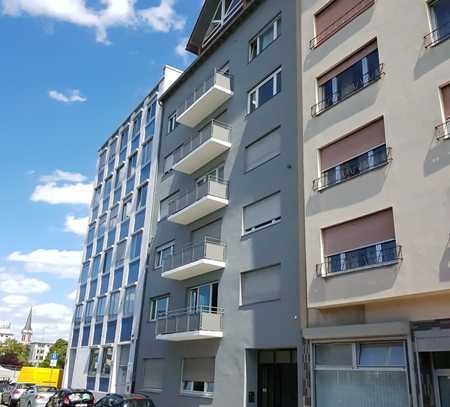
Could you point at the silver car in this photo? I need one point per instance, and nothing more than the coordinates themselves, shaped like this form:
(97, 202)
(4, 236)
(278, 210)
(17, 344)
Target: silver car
(11, 396)
(36, 396)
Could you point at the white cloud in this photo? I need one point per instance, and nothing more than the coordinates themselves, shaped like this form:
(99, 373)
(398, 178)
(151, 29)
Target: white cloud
(62, 263)
(114, 13)
(59, 175)
(180, 49)
(15, 299)
(72, 295)
(18, 284)
(73, 96)
(76, 225)
(55, 194)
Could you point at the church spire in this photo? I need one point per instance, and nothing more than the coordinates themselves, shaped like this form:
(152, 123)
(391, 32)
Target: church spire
(27, 331)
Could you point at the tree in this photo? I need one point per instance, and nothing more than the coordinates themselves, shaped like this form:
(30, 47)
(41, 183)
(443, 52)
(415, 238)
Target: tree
(13, 353)
(59, 347)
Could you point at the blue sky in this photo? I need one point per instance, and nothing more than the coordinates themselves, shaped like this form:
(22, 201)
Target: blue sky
(70, 73)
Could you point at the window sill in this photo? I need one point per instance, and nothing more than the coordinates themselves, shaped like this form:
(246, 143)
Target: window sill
(149, 390)
(356, 270)
(196, 395)
(250, 304)
(247, 234)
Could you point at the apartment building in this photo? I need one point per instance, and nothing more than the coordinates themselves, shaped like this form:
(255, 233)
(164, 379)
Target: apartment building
(109, 295)
(220, 323)
(38, 351)
(376, 108)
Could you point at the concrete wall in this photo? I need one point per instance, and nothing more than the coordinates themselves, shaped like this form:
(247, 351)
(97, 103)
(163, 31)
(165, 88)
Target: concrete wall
(266, 325)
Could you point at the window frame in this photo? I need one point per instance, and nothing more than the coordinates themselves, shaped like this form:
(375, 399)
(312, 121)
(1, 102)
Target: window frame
(262, 226)
(159, 260)
(276, 89)
(154, 307)
(172, 123)
(275, 24)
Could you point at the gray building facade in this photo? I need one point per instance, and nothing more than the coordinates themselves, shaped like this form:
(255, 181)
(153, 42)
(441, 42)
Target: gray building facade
(220, 322)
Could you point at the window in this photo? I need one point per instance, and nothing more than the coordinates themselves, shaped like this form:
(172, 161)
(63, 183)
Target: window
(145, 172)
(198, 375)
(172, 123)
(105, 284)
(168, 163)
(86, 333)
(84, 272)
(114, 304)
(373, 373)
(262, 213)
(440, 22)
(150, 120)
(111, 331)
(335, 16)
(82, 294)
(217, 174)
(78, 312)
(90, 234)
(204, 298)
(163, 252)
(127, 327)
(355, 73)
(101, 306)
(357, 153)
(224, 11)
(153, 374)
(97, 339)
(75, 337)
(93, 362)
(112, 155)
(124, 229)
(136, 132)
(136, 243)
(263, 150)
(95, 266)
(164, 206)
(107, 260)
(114, 216)
(89, 249)
(142, 197)
(89, 311)
(445, 95)
(120, 253)
(106, 194)
(126, 210)
(146, 153)
(261, 285)
(118, 278)
(267, 35)
(123, 144)
(348, 246)
(133, 272)
(128, 303)
(139, 220)
(92, 289)
(159, 307)
(107, 359)
(265, 91)
(96, 198)
(120, 176)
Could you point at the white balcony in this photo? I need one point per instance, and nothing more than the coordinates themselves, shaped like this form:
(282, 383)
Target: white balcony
(190, 325)
(203, 200)
(195, 259)
(205, 100)
(209, 143)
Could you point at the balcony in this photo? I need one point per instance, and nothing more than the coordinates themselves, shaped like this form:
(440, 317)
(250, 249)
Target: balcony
(440, 34)
(340, 22)
(443, 131)
(209, 143)
(205, 100)
(190, 324)
(204, 199)
(195, 259)
(349, 90)
(379, 255)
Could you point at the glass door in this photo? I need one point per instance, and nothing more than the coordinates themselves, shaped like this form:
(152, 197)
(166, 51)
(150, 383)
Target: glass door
(203, 298)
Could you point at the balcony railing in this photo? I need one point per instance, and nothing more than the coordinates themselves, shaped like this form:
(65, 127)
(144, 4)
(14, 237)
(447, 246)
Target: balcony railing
(202, 147)
(205, 99)
(443, 131)
(359, 259)
(438, 35)
(205, 198)
(194, 259)
(350, 170)
(201, 322)
(350, 89)
(342, 21)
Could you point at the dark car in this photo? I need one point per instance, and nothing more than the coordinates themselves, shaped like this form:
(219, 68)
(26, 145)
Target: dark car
(71, 398)
(125, 400)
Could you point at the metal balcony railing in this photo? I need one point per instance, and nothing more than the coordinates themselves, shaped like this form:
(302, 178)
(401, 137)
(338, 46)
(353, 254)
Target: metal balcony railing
(201, 137)
(342, 21)
(359, 259)
(212, 186)
(352, 169)
(201, 318)
(438, 35)
(350, 89)
(443, 131)
(218, 78)
(208, 248)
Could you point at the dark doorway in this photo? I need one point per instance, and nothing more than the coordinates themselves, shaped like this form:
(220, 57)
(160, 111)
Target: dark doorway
(277, 378)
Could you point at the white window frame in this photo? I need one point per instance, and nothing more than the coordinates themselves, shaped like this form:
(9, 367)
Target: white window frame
(274, 24)
(191, 390)
(160, 250)
(172, 122)
(267, 224)
(254, 92)
(154, 306)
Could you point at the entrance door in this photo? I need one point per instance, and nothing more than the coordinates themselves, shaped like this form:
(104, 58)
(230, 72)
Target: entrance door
(277, 379)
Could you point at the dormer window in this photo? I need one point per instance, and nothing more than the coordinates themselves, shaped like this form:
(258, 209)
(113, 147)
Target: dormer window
(225, 10)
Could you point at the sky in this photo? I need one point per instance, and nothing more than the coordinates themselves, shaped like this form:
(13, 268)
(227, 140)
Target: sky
(71, 71)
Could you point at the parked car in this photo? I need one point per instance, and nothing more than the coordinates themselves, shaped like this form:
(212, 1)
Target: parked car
(125, 400)
(11, 396)
(4, 386)
(71, 398)
(36, 396)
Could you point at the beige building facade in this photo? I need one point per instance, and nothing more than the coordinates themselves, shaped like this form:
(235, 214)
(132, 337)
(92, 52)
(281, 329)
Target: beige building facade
(376, 110)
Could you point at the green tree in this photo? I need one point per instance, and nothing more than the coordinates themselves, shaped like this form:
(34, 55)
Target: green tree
(13, 353)
(59, 347)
